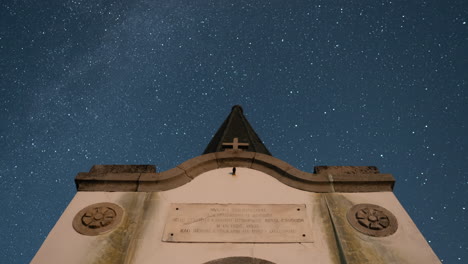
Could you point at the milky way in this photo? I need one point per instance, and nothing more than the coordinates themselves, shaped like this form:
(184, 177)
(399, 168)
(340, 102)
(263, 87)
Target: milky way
(379, 83)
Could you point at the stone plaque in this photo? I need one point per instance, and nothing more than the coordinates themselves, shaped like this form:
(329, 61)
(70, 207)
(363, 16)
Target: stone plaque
(241, 223)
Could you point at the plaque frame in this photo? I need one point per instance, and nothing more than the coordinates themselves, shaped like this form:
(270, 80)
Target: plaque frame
(237, 223)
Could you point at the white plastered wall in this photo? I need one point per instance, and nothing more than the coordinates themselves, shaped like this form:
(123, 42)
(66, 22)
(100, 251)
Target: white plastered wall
(65, 245)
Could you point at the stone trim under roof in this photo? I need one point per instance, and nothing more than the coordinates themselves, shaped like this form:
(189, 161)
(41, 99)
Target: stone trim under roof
(326, 179)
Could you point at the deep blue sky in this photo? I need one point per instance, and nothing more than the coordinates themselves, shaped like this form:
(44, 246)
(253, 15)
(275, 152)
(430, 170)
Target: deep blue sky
(149, 82)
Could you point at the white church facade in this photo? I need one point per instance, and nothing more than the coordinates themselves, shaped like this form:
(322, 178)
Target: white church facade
(235, 204)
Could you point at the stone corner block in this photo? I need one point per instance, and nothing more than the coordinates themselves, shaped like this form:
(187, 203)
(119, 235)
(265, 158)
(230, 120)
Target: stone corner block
(346, 169)
(363, 183)
(109, 182)
(102, 169)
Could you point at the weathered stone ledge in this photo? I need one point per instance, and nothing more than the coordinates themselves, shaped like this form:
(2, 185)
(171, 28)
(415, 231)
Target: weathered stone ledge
(144, 178)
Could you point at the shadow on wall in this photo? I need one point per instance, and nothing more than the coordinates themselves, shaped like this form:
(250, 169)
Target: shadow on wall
(239, 260)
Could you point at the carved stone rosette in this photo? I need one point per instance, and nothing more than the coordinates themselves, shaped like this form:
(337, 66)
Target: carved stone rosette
(372, 220)
(97, 219)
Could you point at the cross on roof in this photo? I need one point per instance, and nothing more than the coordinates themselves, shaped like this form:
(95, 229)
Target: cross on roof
(235, 144)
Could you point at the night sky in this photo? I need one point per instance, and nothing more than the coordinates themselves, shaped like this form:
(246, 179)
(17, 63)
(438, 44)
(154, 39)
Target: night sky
(379, 83)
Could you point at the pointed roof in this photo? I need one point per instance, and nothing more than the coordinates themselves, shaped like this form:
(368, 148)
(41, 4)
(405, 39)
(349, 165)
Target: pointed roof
(236, 133)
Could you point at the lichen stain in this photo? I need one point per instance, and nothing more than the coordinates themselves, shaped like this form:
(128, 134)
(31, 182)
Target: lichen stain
(113, 247)
(320, 211)
(150, 205)
(356, 247)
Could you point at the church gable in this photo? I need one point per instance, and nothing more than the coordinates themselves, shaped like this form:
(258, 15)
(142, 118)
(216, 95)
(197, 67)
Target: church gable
(326, 178)
(236, 203)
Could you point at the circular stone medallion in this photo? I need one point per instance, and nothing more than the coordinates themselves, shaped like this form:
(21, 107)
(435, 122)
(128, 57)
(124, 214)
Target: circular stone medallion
(97, 219)
(372, 220)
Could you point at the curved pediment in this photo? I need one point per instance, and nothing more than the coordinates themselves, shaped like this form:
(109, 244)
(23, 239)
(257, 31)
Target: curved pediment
(325, 179)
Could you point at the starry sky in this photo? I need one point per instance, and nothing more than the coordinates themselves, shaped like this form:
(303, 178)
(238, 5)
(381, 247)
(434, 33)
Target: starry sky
(333, 82)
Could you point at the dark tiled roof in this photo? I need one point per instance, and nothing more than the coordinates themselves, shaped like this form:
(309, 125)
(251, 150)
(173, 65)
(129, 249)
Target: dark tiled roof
(236, 126)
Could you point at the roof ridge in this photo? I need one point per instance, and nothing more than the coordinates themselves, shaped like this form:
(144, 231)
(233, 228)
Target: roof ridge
(236, 133)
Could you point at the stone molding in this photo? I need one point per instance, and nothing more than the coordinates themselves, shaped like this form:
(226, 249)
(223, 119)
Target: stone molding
(326, 179)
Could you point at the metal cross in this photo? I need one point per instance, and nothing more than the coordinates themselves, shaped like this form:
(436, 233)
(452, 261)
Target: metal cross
(235, 145)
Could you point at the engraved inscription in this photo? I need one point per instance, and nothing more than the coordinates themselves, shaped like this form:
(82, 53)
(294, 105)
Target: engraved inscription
(237, 223)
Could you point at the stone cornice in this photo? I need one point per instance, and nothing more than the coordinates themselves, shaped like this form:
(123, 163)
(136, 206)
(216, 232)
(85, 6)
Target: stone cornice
(125, 178)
